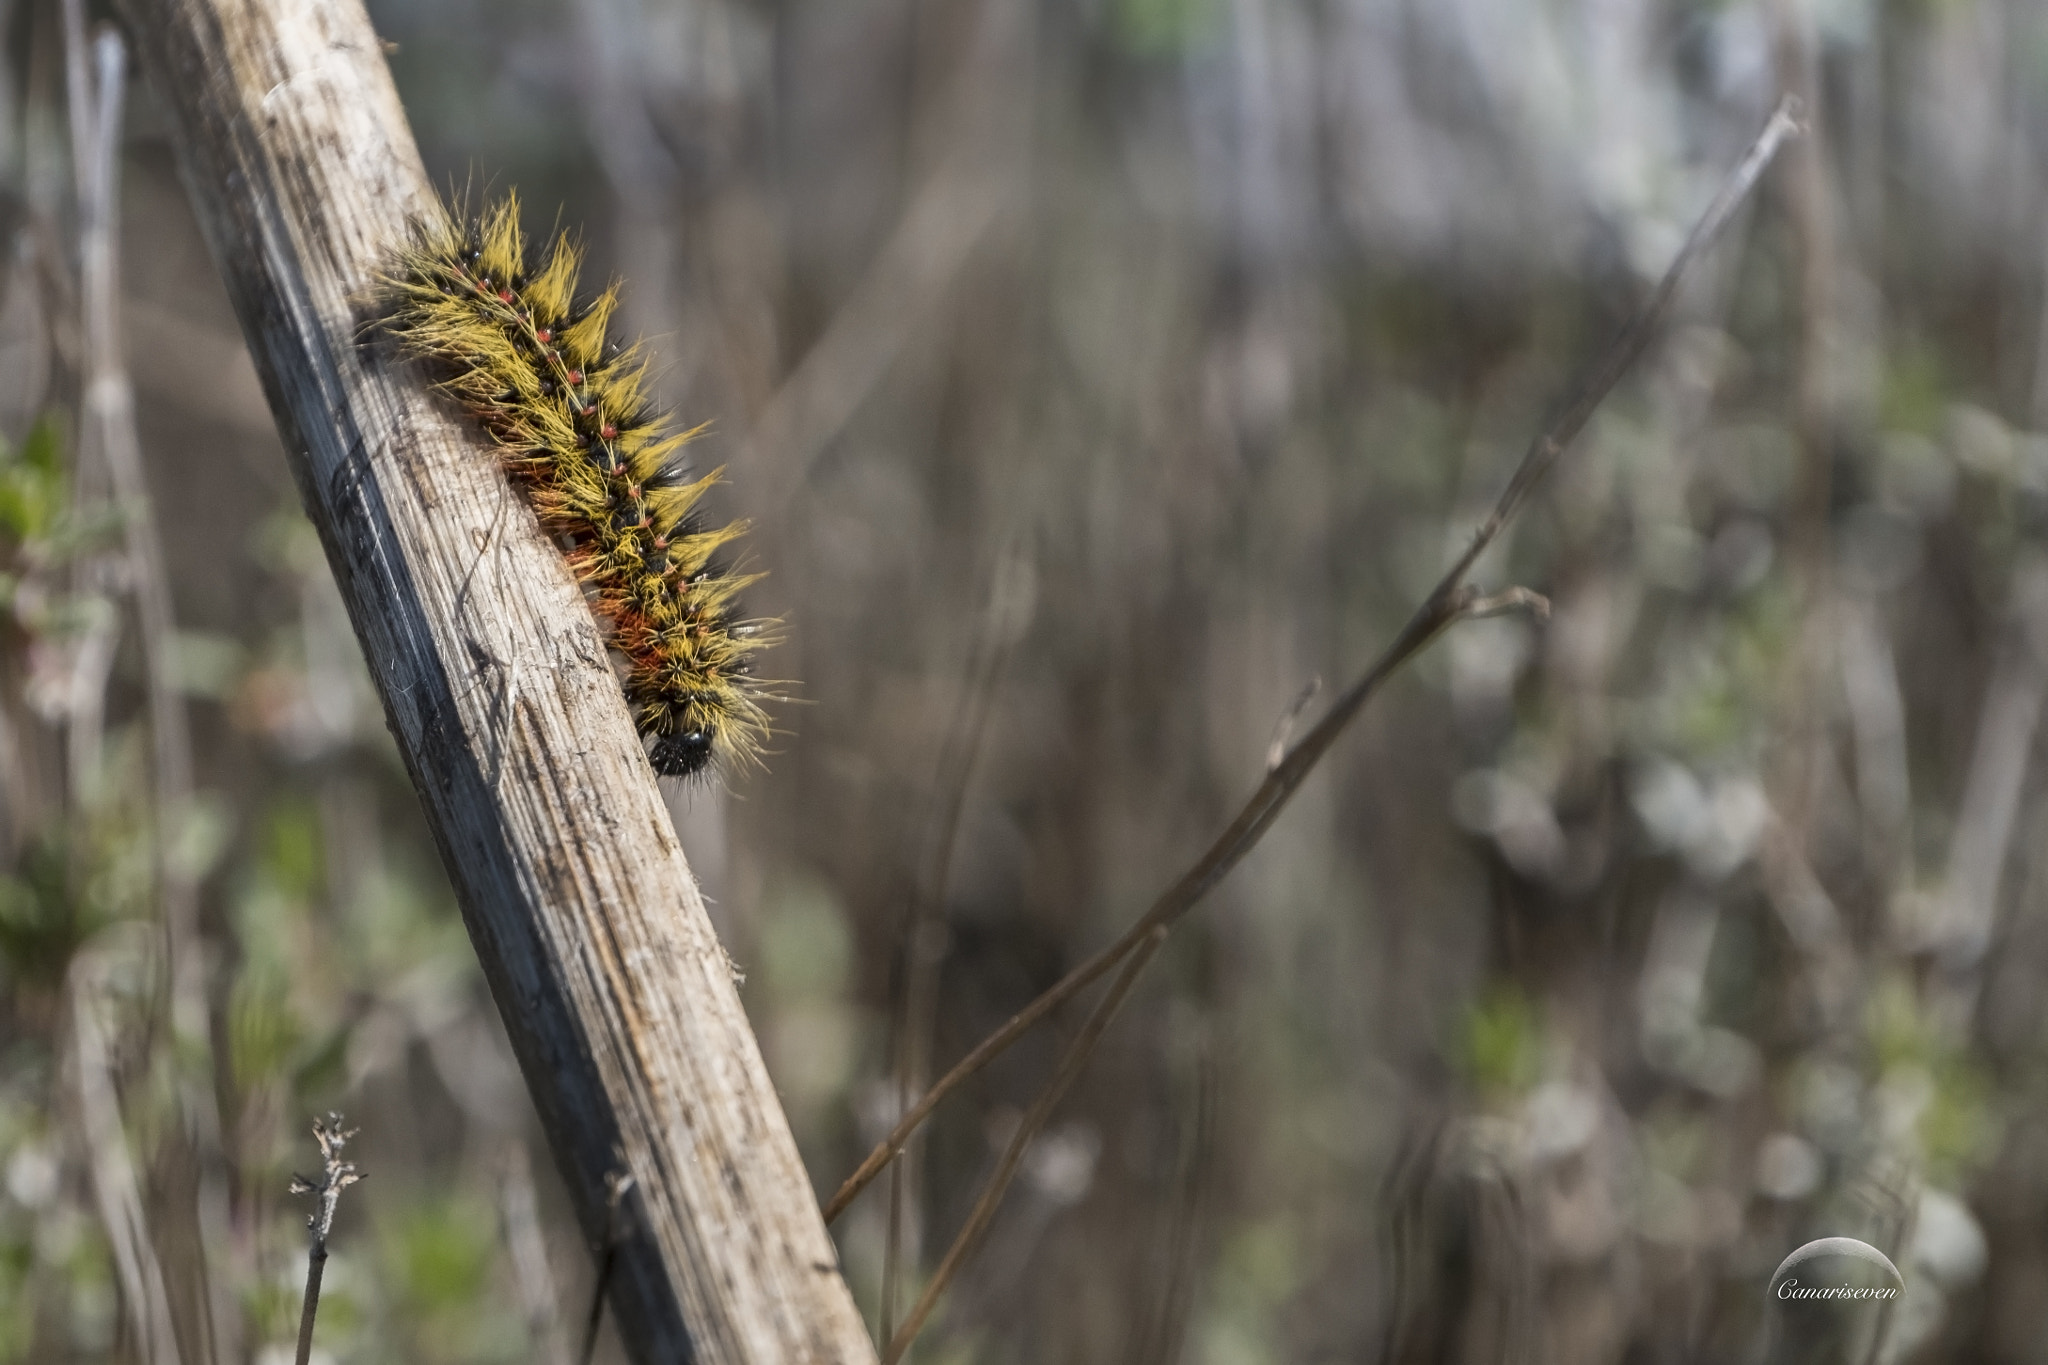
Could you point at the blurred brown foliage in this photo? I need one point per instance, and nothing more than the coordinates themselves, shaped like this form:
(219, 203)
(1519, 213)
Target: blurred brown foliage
(1097, 373)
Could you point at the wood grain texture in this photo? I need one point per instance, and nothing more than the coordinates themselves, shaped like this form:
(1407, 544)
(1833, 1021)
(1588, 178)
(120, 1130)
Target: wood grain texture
(616, 993)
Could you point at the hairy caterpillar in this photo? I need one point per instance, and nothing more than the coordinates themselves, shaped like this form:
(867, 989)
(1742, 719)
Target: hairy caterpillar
(602, 471)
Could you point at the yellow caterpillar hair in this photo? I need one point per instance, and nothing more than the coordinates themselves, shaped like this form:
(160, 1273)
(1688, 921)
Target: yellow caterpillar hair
(602, 471)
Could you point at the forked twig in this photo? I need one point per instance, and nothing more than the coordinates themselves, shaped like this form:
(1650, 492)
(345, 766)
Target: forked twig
(1450, 601)
(1075, 1057)
(336, 1175)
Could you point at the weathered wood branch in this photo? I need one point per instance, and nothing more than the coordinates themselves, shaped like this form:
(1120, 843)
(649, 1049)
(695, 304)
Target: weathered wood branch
(617, 995)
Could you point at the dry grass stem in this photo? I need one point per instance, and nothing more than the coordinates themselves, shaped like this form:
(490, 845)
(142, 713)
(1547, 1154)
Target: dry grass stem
(1071, 1062)
(108, 435)
(1452, 600)
(924, 928)
(115, 1185)
(525, 1239)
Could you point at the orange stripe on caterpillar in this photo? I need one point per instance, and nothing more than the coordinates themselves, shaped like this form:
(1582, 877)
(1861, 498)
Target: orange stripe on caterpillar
(535, 367)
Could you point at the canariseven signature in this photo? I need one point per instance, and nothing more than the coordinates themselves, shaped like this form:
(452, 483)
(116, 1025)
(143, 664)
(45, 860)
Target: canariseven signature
(1785, 1285)
(1792, 1289)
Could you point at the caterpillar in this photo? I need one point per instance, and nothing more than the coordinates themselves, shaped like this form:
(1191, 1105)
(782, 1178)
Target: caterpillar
(535, 366)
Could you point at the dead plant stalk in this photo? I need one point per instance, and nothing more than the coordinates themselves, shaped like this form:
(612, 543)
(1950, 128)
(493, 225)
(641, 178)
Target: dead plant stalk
(336, 1175)
(1452, 600)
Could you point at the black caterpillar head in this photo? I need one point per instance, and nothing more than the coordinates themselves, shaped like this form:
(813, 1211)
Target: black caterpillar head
(681, 755)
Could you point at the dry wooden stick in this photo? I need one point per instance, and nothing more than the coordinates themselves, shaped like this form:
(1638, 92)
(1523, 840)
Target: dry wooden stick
(1453, 599)
(617, 997)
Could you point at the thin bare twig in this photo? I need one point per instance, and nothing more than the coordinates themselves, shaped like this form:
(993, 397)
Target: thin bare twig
(1817, 260)
(108, 432)
(92, 575)
(924, 928)
(1161, 1334)
(1451, 600)
(971, 186)
(892, 1244)
(1075, 1058)
(1800, 762)
(336, 1175)
(118, 1192)
(2007, 722)
(618, 1185)
(520, 1209)
(96, 69)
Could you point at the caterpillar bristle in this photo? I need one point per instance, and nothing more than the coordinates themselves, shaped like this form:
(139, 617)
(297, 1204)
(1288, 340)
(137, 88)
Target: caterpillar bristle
(568, 405)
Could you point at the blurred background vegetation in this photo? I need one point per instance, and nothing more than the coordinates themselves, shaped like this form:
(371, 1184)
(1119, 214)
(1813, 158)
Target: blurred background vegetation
(1098, 373)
